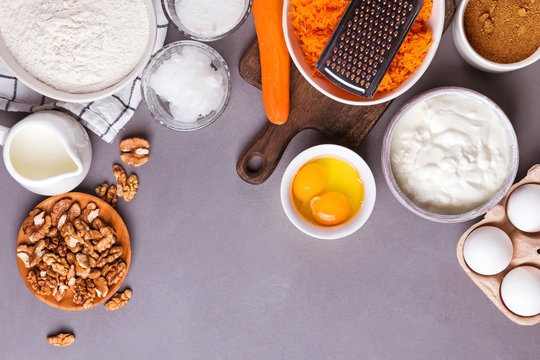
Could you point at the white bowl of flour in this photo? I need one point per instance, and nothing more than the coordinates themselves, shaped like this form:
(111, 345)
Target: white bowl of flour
(77, 51)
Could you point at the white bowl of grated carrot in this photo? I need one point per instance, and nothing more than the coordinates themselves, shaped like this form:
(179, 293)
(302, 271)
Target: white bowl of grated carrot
(298, 12)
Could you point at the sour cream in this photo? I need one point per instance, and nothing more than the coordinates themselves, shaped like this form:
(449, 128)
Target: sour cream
(450, 153)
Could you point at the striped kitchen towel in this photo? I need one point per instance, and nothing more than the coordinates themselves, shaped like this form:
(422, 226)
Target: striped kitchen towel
(105, 117)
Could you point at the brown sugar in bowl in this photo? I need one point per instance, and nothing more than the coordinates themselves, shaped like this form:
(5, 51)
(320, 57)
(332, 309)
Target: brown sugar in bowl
(470, 55)
(110, 217)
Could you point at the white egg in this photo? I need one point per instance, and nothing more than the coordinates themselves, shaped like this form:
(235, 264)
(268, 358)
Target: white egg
(523, 208)
(488, 250)
(520, 291)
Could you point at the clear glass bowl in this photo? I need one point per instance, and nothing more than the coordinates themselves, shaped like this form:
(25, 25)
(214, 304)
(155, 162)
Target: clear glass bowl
(160, 107)
(443, 218)
(170, 10)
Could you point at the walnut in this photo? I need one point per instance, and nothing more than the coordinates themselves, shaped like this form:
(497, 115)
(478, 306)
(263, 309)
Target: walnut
(119, 300)
(109, 256)
(121, 179)
(24, 252)
(131, 187)
(53, 231)
(57, 246)
(31, 255)
(61, 339)
(71, 237)
(57, 263)
(70, 277)
(73, 212)
(90, 212)
(102, 289)
(88, 249)
(114, 272)
(108, 235)
(60, 291)
(60, 209)
(107, 193)
(107, 241)
(94, 273)
(85, 293)
(36, 225)
(41, 282)
(82, 228)
(82, 265)
(135, 151)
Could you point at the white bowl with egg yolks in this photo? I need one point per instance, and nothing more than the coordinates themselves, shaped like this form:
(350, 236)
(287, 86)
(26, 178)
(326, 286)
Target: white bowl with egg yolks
(352, 159)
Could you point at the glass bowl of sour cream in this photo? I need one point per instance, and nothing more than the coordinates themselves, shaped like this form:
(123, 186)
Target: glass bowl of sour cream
(450, 154)
(186, 85)
(207, 20)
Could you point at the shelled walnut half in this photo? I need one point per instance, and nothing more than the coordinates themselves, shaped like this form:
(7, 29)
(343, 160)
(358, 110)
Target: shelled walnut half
(62, 340)
(135, 151)
(119, 300)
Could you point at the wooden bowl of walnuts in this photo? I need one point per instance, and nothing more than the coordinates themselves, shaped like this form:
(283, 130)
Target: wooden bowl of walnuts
(73, 251)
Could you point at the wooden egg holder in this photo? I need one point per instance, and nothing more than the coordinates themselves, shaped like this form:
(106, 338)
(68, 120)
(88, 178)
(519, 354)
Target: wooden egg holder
(526, 251)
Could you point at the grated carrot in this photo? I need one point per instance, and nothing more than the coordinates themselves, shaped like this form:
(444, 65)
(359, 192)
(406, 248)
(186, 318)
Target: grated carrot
(314, 22)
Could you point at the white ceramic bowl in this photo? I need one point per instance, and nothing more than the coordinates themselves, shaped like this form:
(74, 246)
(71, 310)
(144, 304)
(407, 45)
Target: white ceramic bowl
(435, 23)
(472, 57)
(49, 91)
(337, 152)
(480, 210)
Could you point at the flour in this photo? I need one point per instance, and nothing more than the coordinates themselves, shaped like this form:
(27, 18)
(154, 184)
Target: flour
(209, 18)
(77, 46)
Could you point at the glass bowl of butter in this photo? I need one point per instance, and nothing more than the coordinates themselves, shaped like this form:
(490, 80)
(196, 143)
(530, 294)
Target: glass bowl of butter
(450, 154)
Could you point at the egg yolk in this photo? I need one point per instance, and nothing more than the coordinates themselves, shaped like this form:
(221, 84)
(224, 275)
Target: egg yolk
(331, 208)
(309, 181)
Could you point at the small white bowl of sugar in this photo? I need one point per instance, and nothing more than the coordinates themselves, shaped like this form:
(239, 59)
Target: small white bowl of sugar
(207, 20)
(186, 85)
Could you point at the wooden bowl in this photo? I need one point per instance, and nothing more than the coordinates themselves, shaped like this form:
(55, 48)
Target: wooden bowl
(526, 251)
(109, 216)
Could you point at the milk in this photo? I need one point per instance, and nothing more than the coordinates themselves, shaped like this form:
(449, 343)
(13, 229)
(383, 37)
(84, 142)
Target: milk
(37, 153)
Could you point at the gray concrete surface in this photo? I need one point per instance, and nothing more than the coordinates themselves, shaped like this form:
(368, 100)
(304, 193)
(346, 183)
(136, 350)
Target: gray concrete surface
(218, 271)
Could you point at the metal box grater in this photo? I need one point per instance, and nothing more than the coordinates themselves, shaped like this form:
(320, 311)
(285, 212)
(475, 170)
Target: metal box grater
(365, 42)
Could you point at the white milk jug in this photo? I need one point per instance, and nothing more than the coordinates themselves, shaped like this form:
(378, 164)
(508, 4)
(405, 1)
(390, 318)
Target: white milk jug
(48, 152)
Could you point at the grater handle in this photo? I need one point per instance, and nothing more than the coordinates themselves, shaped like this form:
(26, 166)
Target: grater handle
(267, 148)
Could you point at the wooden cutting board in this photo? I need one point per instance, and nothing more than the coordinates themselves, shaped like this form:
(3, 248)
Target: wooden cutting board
(346, 124)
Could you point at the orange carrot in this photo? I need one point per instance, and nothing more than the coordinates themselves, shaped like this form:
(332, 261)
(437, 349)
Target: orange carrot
(275, 60)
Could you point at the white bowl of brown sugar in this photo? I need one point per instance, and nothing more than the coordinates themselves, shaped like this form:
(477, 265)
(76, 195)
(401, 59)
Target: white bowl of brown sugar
(498, 35)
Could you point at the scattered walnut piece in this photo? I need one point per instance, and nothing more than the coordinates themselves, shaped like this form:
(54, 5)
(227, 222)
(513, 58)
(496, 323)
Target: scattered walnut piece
(121, 179)
(119, 300)
(107, 193)
(61, 339)
(135, 151)
(130, 190)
